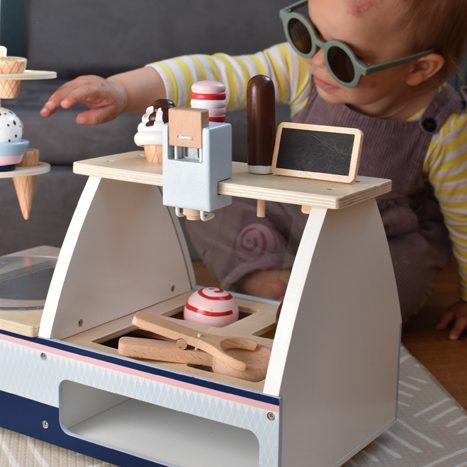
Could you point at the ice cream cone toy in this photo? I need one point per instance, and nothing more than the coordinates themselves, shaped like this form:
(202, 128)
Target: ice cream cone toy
(165, 105)
(9, 89)
(25, 186)
(149, 134)
(210, 95)
(12, 146)
(153, 153)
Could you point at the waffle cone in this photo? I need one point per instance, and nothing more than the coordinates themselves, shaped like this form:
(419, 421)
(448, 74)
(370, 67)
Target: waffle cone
(153, 153)
(9, 89)
(25, 186)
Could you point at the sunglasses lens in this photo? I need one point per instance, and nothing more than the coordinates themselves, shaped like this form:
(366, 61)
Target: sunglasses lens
(340, 64)
(300, 36)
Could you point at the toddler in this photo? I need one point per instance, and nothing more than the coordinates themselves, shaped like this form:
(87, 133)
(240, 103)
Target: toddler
(378, 65)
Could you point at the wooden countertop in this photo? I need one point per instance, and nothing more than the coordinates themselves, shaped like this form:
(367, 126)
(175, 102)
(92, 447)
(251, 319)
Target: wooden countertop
(132, 167)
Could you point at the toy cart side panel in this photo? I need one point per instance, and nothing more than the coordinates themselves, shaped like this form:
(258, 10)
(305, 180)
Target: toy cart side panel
(122, 252)
(335, 355)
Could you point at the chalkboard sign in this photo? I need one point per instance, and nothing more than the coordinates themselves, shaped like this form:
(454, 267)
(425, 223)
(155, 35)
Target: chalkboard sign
(317, 151)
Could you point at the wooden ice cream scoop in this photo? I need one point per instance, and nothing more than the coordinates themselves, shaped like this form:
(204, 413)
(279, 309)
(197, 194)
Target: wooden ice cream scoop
(256, 361)
(220, 347)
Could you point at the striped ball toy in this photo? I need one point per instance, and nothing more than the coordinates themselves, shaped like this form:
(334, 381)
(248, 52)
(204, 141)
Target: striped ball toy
(211, 306)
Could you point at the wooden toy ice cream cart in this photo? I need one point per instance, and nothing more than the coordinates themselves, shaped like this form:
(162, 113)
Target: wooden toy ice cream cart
(330, 386)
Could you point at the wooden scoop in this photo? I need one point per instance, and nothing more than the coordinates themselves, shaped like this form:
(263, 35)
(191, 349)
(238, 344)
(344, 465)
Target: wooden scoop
(213, 344)
(256, 361)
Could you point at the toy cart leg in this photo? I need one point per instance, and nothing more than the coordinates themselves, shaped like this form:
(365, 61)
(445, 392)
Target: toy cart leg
(334, 360)
(120, 238)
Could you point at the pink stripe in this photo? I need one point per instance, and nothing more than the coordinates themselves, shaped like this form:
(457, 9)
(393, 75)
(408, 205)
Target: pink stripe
(10, 160)
(208, 87)
(141, 374)
(219, 112)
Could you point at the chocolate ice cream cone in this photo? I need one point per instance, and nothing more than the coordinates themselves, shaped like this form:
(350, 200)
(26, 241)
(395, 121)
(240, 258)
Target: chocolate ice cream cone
(25, 186)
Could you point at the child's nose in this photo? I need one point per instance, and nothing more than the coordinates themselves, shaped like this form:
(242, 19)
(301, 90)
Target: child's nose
(318, 57)
(317, 61)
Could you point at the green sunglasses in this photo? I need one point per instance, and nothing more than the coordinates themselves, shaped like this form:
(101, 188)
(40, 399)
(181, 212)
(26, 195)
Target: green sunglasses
(340, 59)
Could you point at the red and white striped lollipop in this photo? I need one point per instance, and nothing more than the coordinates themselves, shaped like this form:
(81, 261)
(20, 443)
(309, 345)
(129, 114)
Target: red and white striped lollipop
(211, 306)
(210, 95)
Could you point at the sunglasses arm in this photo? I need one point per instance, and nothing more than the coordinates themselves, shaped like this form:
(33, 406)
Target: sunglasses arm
(293, 7)
(366, 70)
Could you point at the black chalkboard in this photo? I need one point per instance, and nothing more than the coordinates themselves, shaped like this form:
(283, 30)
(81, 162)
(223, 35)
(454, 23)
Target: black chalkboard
(314, 151)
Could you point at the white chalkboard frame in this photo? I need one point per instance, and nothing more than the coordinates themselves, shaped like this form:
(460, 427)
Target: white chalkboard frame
(354, 158)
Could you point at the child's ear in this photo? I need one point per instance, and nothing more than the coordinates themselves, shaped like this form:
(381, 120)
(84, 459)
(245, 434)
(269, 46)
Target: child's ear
(424, 68)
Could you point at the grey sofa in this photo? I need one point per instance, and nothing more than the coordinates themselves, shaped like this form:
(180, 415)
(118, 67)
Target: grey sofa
(75, 37)
(104, 37)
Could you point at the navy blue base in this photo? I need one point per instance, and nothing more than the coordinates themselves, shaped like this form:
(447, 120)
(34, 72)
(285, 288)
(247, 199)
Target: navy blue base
(25, 416)
(7, 168)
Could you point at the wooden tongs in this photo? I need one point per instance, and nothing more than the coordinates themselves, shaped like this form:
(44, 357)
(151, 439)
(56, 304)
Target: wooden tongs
(214, 345)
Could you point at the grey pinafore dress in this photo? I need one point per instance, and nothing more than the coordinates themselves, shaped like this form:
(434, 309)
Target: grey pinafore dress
(236, 242)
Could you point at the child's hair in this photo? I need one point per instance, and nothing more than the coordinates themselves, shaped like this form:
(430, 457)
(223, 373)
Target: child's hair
(441, 25)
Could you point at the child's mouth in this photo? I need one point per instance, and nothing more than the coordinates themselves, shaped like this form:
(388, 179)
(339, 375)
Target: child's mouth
(324, 85)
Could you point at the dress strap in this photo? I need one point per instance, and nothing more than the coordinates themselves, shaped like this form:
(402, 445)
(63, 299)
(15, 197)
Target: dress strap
(443, 105)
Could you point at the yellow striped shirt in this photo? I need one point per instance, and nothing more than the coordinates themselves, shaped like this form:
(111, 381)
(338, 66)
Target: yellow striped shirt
(445, 163)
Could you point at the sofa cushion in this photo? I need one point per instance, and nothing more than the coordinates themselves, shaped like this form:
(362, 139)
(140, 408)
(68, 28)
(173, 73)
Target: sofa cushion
(55, 198)
(106, 36)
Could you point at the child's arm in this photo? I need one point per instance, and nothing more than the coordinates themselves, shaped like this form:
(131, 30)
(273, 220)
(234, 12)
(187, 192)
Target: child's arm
(172, 78)
(446, 167)
(289, 73)
(131, 91)
(456, 316)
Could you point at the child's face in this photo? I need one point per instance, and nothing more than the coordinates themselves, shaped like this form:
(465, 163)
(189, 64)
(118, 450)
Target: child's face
(372, 29)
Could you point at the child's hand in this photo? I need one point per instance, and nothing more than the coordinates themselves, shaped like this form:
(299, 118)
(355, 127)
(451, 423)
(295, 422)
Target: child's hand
(457, 317)
(267, 284)
(105, 98)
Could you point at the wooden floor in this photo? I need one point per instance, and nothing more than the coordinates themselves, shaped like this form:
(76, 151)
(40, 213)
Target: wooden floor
(445, 359)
